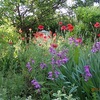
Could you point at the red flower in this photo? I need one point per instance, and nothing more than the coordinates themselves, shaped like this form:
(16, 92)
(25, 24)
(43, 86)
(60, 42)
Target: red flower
(60, 23)
(45, 37)
(79, 40)
(54, 45)
(97, 24)
(98, 35)
(40, 27)
(70, 27)
(63, 28)
(41, 35)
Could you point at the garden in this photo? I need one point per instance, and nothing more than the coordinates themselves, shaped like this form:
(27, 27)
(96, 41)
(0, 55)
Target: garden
(49, 55)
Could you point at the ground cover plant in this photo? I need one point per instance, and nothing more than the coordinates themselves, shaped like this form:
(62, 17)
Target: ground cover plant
(56, 59)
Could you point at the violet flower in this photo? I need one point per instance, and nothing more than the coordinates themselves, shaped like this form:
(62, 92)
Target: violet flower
(57, 74)
(51, 76)
(52, 50)
(96, 47)
(29, 66)
(87, 72)
(35, 84)
(43, 65)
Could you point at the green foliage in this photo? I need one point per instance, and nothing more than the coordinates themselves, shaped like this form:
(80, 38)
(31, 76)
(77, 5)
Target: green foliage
(59, 96)
(88, 14)
(74, 73)
(27, 14)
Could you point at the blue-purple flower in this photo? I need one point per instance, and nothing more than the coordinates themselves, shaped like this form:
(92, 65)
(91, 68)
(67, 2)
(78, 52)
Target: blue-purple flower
(52, 50)
(52, 75)
(64, 60)
(32, 61)
(59, 62)
(87, 72)
(76, 41)
(56, 73)
(43, 65)
(71, 40)
(96, 47)
(29, 66)
(35, 84)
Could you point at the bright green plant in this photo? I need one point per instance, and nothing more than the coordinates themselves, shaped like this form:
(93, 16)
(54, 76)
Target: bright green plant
(59, 96)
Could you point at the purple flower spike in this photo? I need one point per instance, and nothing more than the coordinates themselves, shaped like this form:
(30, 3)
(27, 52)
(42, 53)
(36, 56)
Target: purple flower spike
(35, 84)
(57, 74)
(59, 63)
(96, 47)
(50, 76)
(52, 50)
(43, 65)
(32, 61)
(71, 40)
(29, 66)
(64, 60)
(87, 73)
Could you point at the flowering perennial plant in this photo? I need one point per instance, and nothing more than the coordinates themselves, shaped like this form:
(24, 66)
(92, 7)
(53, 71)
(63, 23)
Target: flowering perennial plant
(43, 65)
(60, 23)
(40, 27)
(35, 84)
(69, 27)
(28, 65)
(97, 25)
(87, 72)
(96, 47)
(52, 75)
(76, 41)
(52, 51)
(58, 59)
